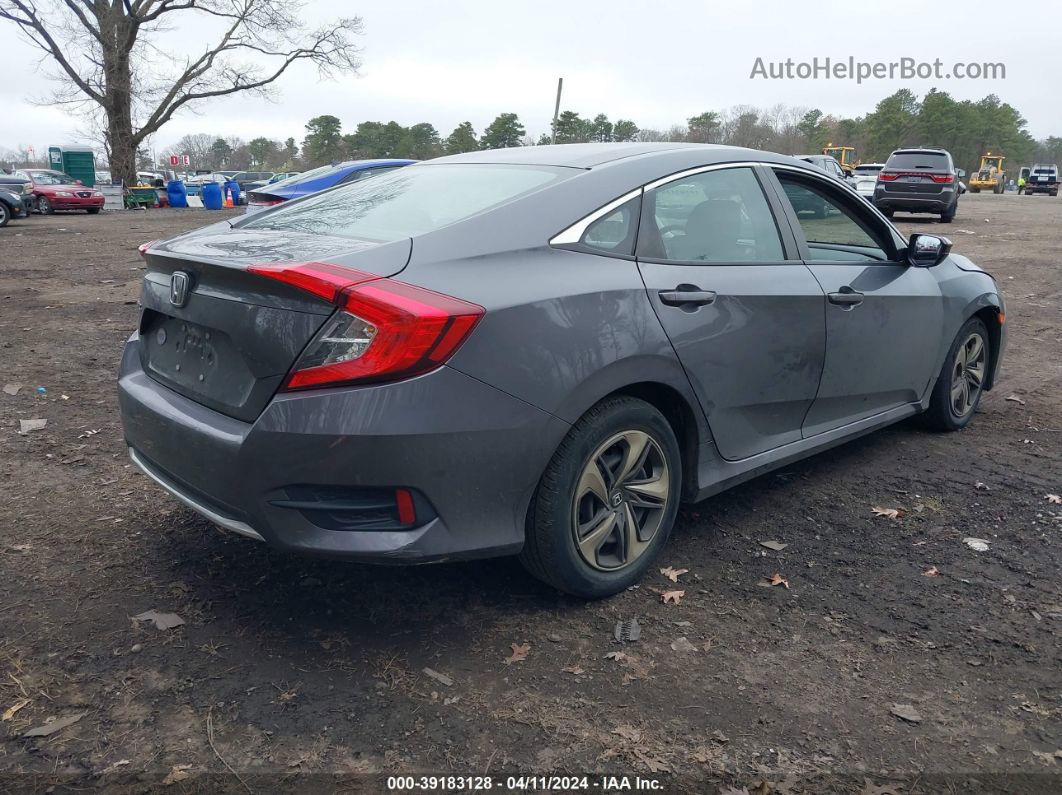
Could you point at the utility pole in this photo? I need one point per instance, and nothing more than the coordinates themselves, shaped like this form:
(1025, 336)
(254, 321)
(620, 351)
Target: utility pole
(556, 110)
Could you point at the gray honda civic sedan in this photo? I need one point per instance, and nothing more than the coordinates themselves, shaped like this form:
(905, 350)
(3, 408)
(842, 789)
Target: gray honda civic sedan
(539, 351)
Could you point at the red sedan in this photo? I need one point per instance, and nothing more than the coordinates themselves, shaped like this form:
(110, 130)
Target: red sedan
(54, 190)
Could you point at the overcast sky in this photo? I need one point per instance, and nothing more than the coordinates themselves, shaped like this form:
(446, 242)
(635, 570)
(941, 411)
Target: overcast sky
(656, 62)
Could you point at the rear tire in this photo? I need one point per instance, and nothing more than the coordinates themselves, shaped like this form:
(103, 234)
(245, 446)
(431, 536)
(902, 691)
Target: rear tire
(948, 215)
(618, 468)
(888, 213)
(960, 383)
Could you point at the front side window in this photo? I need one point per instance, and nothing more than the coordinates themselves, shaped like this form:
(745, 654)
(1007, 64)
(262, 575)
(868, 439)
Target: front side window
(715, 216)
(827, 222)
(408, 201)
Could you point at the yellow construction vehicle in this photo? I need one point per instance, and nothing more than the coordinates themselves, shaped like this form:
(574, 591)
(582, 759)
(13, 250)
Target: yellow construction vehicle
(845, 156)
(990, 175)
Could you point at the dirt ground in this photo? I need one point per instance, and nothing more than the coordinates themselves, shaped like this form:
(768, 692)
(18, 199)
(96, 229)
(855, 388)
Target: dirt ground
(293, 674)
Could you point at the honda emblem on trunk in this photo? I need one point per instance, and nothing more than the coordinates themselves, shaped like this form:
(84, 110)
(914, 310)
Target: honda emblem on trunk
(180, 284)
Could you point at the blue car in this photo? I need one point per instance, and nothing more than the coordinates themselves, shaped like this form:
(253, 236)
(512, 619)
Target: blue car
(318, 179)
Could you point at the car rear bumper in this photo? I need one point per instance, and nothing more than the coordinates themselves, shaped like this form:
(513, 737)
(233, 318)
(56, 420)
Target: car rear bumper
(914, 203)
(474, 453)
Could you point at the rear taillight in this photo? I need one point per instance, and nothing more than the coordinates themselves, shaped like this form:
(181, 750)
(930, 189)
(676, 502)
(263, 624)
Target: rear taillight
(885, 176)
(943, 179)
(265, 202)
(385, 329)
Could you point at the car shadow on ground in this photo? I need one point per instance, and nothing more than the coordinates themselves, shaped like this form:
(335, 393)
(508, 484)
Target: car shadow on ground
(242, 585)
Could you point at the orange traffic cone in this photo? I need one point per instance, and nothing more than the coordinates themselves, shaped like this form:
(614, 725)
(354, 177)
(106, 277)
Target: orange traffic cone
(228, 200)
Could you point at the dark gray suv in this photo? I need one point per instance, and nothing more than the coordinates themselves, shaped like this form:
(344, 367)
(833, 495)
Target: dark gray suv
(538, 351)
(918, 181)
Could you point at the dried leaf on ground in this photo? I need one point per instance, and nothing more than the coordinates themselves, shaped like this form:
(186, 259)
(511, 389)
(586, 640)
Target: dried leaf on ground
(519, 654)
(1054, 499)
(672, 597)
(177, 773)
(672, 573)
(56, 725)
(438, 677)
(161, 620)
(775, 579)
(615, 655)
(682, 644)
(10, 712)
(628, 732)
(906, 712)
(931, 572)
(1015, 399)
(888, 513)
(774, 546)
(573, 669)
(653, 764)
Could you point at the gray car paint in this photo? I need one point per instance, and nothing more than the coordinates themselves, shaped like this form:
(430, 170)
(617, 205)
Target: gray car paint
(562, 330)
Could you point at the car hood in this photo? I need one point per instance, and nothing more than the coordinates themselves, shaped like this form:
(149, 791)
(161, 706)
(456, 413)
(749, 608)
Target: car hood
(966, 264)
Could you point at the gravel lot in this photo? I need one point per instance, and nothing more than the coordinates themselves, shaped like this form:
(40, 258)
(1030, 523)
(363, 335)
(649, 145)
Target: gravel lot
(293, 674)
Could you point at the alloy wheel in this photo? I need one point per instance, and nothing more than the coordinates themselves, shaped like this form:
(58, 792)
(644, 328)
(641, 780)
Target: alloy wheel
(620, 500)
(968, 375)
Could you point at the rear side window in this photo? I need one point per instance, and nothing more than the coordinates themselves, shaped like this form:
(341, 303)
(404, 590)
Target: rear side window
(714, 216)
(615, 232)
(930, 161)
(409, 201)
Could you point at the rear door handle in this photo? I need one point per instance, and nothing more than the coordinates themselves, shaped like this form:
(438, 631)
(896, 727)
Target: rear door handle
(848, 298)
(683, 296)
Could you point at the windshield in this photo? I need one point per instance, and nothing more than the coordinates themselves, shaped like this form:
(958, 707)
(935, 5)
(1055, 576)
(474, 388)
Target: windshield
(869, 169)
(52, 178)
(936, 161)
(408, 201)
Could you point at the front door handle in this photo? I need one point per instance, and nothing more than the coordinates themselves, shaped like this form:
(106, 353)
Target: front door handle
(685, 295)
(847, 297)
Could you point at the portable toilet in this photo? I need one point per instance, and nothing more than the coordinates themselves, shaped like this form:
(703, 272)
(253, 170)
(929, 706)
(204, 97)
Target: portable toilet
(77, 161)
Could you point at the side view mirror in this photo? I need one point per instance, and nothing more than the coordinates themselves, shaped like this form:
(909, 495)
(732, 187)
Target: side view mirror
(79, 182)
(925, 251)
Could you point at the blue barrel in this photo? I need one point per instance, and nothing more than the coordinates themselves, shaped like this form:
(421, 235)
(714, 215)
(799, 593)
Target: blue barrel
(211, 195)
(232, 187)
(176, 193)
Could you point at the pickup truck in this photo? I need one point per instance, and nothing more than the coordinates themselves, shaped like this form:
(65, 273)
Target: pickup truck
(1043, 178)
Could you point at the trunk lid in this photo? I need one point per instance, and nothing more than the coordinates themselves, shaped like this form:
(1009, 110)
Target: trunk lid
(225, 337)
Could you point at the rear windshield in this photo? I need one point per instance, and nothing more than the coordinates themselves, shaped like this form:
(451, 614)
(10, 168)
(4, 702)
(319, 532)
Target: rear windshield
(868, 169)
(919, 160)
(409, 201)
(1045, 170)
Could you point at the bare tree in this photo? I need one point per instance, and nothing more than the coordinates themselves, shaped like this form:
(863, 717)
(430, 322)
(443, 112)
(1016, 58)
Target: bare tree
(106, 57)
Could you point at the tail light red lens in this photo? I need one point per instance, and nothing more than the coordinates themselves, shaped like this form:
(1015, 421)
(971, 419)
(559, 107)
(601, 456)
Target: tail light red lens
(885, 176)
(265, 203)
(943, 179)
(385, 330)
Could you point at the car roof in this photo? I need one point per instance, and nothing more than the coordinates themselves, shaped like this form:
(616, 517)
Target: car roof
(591, 156)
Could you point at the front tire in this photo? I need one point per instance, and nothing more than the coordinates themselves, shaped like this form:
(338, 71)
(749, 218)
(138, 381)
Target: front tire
(607, 501)
(961, 381)
(5, 214)
(92, 210)
(44, 207)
